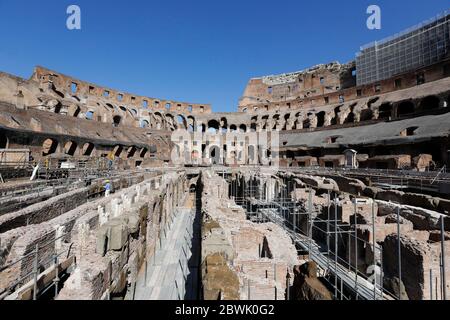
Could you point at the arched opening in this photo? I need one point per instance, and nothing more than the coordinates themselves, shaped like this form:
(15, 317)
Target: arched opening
(430, 103)
(306, 123)
(251, 155)
(334, 120)
(88, 148)
(223, 125)
(351, 116)
(143, 152)
(276, 119)
(49, 147)
(213, 126)
(181, 121)
(3, 142)
(131, 152)
(385, 111)
(116, 121)
(117, 151)
(76, 112)
(144, 124)
(404, 108)
(70, 148)
(233, 128)
(191, 123)
(243, 128)
(214, 155)
(253, 127)
(123, 108)
(58, 108)
(90, 115)
(320, 119)
(366, 115)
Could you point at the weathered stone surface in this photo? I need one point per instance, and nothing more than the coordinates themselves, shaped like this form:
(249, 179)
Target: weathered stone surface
(306, 284)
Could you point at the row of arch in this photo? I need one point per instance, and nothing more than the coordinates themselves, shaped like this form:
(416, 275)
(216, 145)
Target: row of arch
(72, 148)
(340, 114)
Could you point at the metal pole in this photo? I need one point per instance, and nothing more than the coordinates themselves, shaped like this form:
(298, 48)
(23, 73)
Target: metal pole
(335, 247)
(35, 270)
(248, 287)
(309, 222)
(355, 225)
(444, 283)
(431, 284)
(288, 284)
(328, 229)
(374, 255)
(399, 254)
(56, 280)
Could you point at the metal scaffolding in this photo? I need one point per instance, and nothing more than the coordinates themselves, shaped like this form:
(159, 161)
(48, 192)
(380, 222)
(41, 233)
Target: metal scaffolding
(421, 45)
(325, 235)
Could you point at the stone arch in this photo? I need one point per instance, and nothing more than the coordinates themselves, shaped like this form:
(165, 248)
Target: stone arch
(430, 103)
(117, 151)
(88, 148)
(405, 107)
(320, 119)
(144, 123)
(233, 128)
(70, 148)
(116, 120)
(143, 152)
(49, 147)
(131, 152)
(243, 128)
(213, 126)
(214, 154)
(351, 115)
(181, 122)
(191, 121)
(89, 115)
(223, 124)
(336, 118)
(385, 111)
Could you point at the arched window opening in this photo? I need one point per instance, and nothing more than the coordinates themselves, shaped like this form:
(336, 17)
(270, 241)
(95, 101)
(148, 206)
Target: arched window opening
(320, 119)
(117, 151)
(131, 152)
(306, 124)
(213, 126)
(243, 128)
(49, 147)
(430, 103)
(233, 128)
(143, 152)
(70, 148)
(404, 108)
(88, 148)
(89, 115)
(366, 115)
(144, 124)
(214, 154)
(116, 121)
(385, 111)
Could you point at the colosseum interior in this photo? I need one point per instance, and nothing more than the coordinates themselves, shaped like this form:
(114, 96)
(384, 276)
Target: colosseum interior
(322, 186)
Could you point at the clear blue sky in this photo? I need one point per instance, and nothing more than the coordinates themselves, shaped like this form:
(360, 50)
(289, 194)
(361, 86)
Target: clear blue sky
(196, 51)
